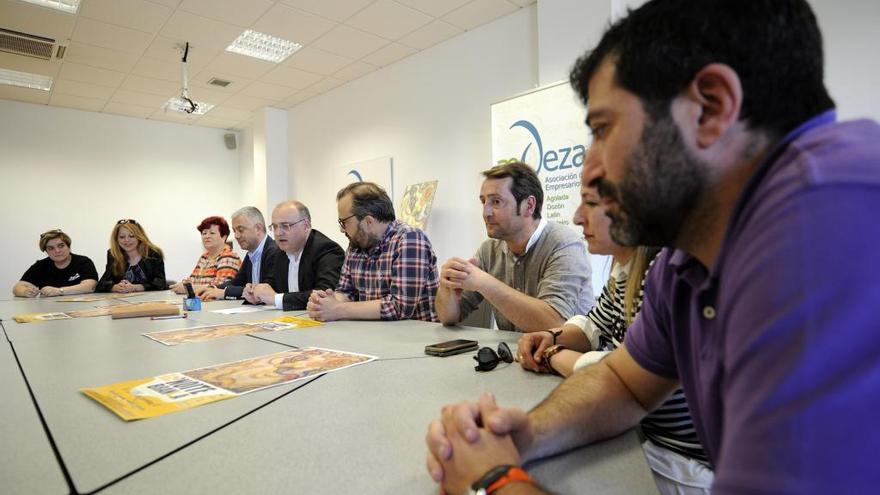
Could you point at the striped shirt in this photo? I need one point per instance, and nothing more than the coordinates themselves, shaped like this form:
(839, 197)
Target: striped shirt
(670, 425)
(400, 271)
(218, 270)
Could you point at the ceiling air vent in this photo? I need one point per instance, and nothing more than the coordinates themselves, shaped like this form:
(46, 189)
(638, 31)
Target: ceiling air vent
(219, 82)
(28, 45)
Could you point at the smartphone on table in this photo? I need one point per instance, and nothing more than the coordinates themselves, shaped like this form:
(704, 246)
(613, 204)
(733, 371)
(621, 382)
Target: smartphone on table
(451, 347)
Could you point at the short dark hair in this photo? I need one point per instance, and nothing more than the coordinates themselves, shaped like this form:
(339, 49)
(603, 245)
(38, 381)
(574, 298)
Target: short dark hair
(218, 221)
(525, 183)
(370, 199)
(774, 46)
(45, 237)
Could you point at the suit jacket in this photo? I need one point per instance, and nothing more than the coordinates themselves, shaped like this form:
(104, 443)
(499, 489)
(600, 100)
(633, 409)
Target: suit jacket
(152, 264)
(235, 287)
(319, 267)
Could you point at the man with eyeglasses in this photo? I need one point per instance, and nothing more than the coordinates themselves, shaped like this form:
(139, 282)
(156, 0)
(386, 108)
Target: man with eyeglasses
(534, 273)
(307, 260)
(390, 270)
(249, 229)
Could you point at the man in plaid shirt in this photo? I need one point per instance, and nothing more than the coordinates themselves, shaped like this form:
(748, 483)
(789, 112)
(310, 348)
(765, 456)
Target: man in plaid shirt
(390, 270)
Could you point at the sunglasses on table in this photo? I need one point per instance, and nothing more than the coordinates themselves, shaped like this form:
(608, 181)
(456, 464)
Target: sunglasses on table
(487, 358)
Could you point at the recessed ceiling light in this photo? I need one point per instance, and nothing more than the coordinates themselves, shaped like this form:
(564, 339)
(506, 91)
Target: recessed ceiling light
(177, 104)
(25, 80)
(263, 46)
(69, 6)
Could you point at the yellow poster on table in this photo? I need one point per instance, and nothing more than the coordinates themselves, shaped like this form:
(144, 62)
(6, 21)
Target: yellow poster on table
(172, 392)
(32, 317)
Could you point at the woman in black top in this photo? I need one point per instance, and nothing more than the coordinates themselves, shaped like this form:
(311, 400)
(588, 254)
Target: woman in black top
(134, 264)
(60, 273)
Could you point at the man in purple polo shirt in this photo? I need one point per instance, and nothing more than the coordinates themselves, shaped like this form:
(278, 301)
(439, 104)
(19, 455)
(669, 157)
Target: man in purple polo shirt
(713, 134)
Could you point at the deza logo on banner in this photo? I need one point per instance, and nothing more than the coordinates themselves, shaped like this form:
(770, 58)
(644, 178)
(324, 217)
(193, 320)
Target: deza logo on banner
(551, 160)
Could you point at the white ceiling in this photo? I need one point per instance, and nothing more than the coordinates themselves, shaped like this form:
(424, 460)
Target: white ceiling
(122, 58)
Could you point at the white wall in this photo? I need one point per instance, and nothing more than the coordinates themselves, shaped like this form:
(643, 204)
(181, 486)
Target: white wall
(83, 171)
(852, 71)
(430, 112)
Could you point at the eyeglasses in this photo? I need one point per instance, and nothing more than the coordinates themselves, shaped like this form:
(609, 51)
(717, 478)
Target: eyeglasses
(343, 220)
(284, 226)
(487, 359)
(50, 232)
(125, 221)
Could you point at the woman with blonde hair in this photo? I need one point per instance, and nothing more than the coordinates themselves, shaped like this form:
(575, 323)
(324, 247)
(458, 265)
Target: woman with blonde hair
(677, 459)
(134, 264)
(60, 272)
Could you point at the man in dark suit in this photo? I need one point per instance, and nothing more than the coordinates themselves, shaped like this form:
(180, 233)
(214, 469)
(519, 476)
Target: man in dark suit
(249, 229)
(306, 260)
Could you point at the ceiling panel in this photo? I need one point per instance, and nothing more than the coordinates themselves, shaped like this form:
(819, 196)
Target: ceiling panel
(29, 64)
(288, 76)
(315, 60)
(123, 56)
(268, 91)
(350, 42)
(238, 12)
(136, 98)
(323, 85)
(435, 8)
(24, 94)
(128, 110)
(98, 33)
(203, 33)
(245, 102)
(158, 69)
(239, 65)
(293, 25)
(78, 102)
(27, 18)
(229, 113)
(135, 14)
(97, 56)
(338, 10)
(388, 19)
(430, 35)
(200, 80)
(354, 71)
(479, 12)
(152, 86)
(77, 88)
(168, 49)
(91, 75)
(389, 54)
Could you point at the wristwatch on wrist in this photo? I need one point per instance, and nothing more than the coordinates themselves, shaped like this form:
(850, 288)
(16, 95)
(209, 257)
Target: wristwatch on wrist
(499, 476)
(549, 353)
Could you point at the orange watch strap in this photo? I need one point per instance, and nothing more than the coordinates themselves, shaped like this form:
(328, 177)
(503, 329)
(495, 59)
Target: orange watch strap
(514, 475)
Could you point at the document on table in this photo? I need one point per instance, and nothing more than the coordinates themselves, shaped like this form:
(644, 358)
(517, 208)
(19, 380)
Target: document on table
(211, 332)
(172, 392)
(243, 309)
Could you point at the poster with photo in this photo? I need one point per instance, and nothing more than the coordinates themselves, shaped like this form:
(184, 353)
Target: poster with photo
(173, 392)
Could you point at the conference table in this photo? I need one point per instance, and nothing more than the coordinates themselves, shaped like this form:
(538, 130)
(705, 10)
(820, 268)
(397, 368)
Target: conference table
(355, 430)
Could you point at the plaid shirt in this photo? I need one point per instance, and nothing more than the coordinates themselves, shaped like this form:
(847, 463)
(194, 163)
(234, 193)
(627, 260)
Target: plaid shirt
(400, 271)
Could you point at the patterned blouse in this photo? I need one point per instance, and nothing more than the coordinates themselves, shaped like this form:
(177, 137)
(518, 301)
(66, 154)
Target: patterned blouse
(216, 271)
